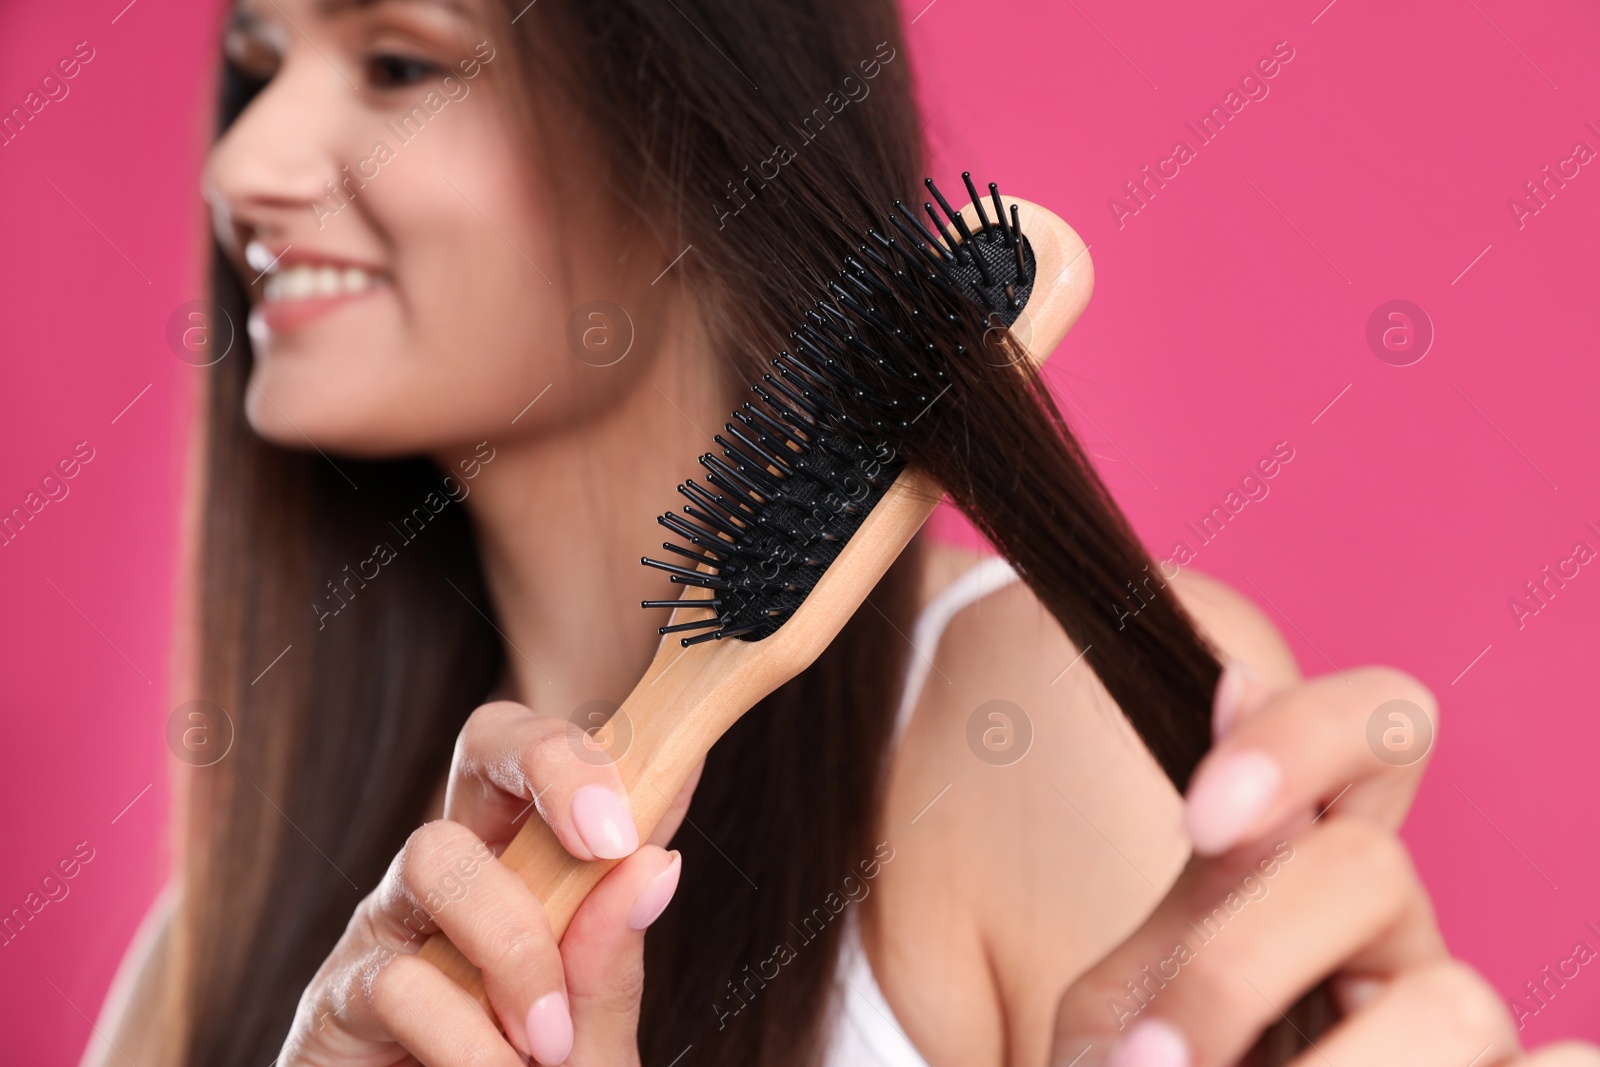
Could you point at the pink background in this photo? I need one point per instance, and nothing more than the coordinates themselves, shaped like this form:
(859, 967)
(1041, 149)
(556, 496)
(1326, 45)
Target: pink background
(1231, 312)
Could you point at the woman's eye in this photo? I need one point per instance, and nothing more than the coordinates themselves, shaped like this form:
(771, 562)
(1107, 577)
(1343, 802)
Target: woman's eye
(397, 72)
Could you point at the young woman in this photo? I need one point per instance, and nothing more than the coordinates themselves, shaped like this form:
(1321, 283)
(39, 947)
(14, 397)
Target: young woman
(504, 269)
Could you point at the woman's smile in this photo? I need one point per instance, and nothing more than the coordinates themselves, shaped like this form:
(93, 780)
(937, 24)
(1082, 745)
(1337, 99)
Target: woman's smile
(299, 286)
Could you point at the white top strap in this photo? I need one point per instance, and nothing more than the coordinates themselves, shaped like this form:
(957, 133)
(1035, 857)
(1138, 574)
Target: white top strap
(978, 582)
(866, 1032)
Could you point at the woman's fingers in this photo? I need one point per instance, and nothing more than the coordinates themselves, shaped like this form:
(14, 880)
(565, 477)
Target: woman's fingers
(507, 758)
(374, 992)
(1286, 756)
(1442, 1015)
(1231, 944)
(1246, 931)
(381, 998)
(446, 878)
(603, 953)
(433, 1019)
(1239, 694)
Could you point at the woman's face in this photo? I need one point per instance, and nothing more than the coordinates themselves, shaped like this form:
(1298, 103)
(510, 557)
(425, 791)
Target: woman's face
(410, 286)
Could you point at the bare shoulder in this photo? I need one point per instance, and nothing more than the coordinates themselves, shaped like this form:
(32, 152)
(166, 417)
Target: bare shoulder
(1022, 790)
(1234, 623)
(129, 1027)
(989, 634)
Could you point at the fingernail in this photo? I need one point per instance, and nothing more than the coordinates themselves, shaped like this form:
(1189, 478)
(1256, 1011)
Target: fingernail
(655, 896)
(550, 1029)
(1151, 1043)
(1230, 692)
(1352, 994)
(1226, 800)
(604, 823)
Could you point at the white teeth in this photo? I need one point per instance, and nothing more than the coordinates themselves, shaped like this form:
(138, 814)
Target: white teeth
(305, 281)
(257, 256)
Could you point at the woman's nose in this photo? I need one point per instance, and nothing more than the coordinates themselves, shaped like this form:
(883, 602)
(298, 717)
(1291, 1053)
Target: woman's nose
(281, 154)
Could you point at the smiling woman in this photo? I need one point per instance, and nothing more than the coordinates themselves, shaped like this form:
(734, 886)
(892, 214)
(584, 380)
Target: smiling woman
(379, 758)
(331, 84)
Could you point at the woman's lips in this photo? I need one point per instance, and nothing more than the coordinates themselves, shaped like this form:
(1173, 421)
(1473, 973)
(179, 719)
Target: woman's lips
(295, 295)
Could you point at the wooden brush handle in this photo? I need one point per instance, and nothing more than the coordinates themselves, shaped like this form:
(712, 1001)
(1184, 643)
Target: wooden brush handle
(663, 744)
(690, 697)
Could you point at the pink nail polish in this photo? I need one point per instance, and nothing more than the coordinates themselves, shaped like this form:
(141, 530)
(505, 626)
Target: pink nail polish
(604, 823)
(656, 895)
(1225, 702)
(1151, 1043)
(1227, 799)
(550, 1029)
(1229, 695)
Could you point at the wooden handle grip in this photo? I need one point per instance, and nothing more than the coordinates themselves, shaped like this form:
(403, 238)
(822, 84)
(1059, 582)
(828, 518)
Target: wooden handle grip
(654, 769)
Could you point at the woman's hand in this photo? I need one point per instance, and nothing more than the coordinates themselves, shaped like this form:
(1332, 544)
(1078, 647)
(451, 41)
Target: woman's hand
(374, 1001)
(1297, 875)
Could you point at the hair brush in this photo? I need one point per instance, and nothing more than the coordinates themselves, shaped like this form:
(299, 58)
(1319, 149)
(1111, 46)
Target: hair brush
(808, 504)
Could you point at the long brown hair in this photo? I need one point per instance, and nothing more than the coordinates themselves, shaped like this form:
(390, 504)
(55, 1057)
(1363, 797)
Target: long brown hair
(340, 744)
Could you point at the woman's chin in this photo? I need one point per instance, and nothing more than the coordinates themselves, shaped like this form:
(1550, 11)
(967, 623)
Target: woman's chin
(317, 425)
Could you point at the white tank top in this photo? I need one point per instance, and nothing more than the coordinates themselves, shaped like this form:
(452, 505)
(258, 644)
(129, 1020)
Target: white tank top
(865, 1031)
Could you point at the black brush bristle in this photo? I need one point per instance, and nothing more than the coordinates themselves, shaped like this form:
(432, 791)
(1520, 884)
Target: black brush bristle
(805, 461)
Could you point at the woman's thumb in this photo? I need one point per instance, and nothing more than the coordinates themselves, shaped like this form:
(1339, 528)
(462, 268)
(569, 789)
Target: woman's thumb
(603, 954)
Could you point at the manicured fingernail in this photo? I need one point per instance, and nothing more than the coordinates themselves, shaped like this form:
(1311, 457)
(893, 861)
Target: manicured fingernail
(1230, 692)
(1151, 1043)
(604, 823)
(1352, 994)
(550, 1029)
(655, 896)
(1228, 797)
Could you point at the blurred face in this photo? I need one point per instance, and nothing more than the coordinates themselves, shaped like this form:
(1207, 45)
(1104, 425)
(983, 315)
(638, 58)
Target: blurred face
(412, 276)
